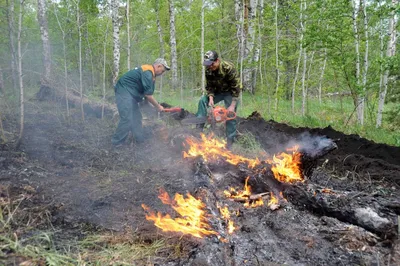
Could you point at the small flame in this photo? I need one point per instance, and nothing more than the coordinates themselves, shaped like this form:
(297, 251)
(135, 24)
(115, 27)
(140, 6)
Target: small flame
(227, 216)
(244, 195)
(286, 167)
(273, 200)
(193, 220)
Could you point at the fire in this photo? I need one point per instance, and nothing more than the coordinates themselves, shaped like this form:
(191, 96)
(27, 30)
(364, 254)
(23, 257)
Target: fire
(210, 148)
(193, 217)
(227, 216)
(285, 166)
(244, 195)
(273, 201)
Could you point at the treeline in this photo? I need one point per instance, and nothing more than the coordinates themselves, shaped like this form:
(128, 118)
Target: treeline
(285, 49)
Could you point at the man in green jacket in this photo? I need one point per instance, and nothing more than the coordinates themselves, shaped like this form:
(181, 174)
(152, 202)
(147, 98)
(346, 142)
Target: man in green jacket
(132, 88)
(223, 84)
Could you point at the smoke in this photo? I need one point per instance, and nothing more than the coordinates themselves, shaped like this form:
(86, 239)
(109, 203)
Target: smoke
(312, 145)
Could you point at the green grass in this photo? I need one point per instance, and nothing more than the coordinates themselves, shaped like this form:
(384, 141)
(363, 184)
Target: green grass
(339, 114)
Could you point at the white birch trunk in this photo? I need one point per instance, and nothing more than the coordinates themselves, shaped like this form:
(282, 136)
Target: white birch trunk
(78, 22)
(303, 84)
(10, 20)
(259, 43)
(20, 79)
(128, 29)
(116, 41)
(174, 56)
(44, 34)
(277, 77)
(239, 30)
(366, 62)
(161, 40)
(390, 52)
(249, 46)
(321, 77)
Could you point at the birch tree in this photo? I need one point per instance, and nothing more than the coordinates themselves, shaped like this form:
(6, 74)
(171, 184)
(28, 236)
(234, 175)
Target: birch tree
(78, 23)
(174, 55)
(277, 72)
(20, 74)
(44, 34)
(161, 41)
(249, 53)
(390, 52)
(128, 32)
(203, 69)
(116, 41)
(11, 41)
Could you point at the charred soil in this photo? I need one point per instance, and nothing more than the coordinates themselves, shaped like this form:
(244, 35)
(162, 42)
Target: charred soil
(69, 170)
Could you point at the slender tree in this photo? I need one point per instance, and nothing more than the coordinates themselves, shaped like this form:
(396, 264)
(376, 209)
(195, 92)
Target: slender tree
(20, 74)
(174, 55)
(11, 41)
(44, 34)
(116, 41)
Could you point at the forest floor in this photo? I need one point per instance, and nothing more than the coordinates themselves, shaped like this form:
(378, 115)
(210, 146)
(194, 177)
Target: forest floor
(67, 177)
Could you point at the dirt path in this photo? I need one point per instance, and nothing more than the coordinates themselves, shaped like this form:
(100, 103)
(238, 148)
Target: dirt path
(75, 169)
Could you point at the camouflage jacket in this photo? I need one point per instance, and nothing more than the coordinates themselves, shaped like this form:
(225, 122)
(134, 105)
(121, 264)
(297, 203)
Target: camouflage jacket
(224, 79)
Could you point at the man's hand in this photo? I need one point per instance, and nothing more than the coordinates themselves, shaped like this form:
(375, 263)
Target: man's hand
(160, 108)
(231, 107)
(211, 101)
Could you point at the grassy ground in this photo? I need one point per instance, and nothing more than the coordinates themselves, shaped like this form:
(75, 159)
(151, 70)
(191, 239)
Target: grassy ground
(335, 112)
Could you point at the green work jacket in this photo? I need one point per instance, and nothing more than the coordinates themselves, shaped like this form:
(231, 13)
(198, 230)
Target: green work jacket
(137, 82)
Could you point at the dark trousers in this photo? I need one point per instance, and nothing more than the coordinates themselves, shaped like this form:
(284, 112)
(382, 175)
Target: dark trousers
(227, 98)
(130, 119)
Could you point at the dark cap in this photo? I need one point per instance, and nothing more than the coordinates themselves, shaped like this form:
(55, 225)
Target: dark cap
(209, 58)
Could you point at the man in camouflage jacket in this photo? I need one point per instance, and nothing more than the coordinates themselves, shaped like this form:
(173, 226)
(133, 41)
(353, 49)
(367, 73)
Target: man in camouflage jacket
(223, 84)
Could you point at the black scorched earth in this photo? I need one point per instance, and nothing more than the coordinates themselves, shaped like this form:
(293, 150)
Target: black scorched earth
(305, 197)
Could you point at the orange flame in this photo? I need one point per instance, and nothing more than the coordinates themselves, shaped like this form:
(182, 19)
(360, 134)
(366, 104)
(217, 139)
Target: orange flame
(244, 195)
(210, 148)
(285, 167)
(273, 200)
(227, 216)
(193, 221)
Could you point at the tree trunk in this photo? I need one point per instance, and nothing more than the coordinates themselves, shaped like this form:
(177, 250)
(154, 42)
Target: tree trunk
(174, 56)
(116, 41)
(390, 52)
(366, 62)
(78, 23)
(203, 74)
(299, 58)
(249, 53)
(20, 74)
(128, 29)
(359, 98)
(303, 84)
(1, 82)
(104, 72)
(10, 20)
(277, 75)
(161, 40)
(65, 61)
(45, 87)
(321, 77)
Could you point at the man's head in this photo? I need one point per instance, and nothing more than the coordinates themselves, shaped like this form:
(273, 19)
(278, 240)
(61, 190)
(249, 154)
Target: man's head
(211, 60)
(160, 66)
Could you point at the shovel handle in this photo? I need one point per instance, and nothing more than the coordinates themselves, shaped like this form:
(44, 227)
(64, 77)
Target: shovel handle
(172, 110)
